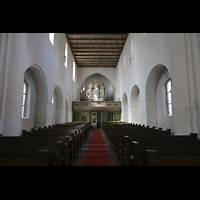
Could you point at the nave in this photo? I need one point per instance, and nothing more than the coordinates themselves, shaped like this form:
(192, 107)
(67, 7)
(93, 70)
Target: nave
(68, 144)
(116, 144)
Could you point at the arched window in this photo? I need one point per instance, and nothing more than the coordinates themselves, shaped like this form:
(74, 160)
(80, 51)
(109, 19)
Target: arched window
(73, 74)
(66, 53)
(168, 87)
(51, 38)
(24, 104)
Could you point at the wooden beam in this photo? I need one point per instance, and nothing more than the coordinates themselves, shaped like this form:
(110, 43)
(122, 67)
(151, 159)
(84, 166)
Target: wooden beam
(96, 61)
(97, 57)
(93, 36)
(97, 44)
(97, 41)
(96, 53)
(98, 50)
(97, 64)
(101, 66)
(96, 35)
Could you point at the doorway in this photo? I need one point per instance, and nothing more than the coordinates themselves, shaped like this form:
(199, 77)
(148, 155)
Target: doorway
(96, 120)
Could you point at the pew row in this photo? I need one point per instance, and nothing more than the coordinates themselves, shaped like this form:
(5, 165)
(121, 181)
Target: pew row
(138, 145)
(186, 155)
(52, 146)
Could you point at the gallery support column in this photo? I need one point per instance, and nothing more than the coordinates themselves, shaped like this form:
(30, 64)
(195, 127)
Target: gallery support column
(12, 67)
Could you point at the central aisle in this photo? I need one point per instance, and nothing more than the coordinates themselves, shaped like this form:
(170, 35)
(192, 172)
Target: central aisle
(97, 155)
(81, 158)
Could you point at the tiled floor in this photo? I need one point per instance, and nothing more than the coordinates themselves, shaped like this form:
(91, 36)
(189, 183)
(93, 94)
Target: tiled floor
(83, 153)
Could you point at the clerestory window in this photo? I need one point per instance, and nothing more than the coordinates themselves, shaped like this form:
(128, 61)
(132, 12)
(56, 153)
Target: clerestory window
(169, 97)
(73, 73)
(51, 38)
(24, 104)
(66, 54)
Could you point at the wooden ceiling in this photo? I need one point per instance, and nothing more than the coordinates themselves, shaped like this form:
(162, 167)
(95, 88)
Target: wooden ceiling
(96, 49)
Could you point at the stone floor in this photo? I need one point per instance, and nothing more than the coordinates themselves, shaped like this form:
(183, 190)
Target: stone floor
(84, 149)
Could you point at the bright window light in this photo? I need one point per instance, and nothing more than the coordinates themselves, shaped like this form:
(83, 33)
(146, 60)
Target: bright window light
(169, 97)
(73, 75)
(51, 38)
(66, 51)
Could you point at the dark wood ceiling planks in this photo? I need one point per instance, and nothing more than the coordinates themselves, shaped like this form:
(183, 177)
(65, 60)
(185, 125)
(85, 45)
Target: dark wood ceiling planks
(96, 49)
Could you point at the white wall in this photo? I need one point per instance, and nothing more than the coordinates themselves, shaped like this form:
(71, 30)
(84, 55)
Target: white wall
(21, 52)
(170, 51)
(50, 58)
(144, 59)
(148, 51)
(12, 64)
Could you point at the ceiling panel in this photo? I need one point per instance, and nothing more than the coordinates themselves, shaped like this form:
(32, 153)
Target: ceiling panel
(96, 49)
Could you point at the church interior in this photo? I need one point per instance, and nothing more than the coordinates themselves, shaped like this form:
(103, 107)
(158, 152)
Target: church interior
(70, 98)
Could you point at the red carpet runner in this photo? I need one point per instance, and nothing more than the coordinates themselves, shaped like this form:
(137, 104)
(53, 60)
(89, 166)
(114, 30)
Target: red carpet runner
(97, 155)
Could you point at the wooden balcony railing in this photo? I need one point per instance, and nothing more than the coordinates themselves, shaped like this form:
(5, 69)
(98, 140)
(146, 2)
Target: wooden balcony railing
(96, 105)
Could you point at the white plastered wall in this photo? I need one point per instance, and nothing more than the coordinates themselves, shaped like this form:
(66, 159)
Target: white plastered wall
(19, 53)
(177, 52)
(50, 58)
(135, 66)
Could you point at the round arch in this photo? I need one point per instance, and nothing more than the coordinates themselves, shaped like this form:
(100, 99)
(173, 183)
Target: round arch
(37, 98)
(135, 104)
(124, 108)
(40, 81)
(154, 95)
(58, 106)
(102, 73)
(91, 78)
(68, 109)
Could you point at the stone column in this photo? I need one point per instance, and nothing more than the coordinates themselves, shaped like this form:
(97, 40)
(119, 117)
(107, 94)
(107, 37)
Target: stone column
(191, 84)
(12, 67)
(180, 95)
(194, 40)
(3, 74)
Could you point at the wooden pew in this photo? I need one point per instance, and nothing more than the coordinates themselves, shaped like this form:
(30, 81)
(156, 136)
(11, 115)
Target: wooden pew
(66, 151)
(26, 156)
(55, 131)
(145, 154)
(179, 155)
(68, 137)
(63, 140)
(40, 143)
(121, 136)
(154, 140)
(120, 146)
(75, 131)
